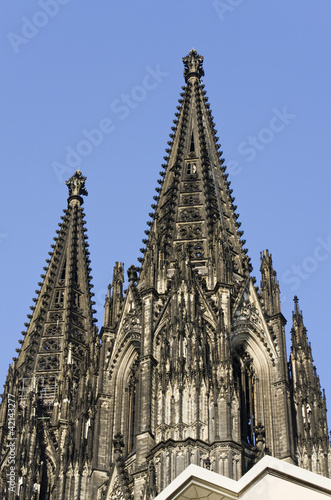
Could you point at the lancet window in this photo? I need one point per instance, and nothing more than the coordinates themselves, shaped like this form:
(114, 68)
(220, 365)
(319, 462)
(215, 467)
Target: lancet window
(244, 378)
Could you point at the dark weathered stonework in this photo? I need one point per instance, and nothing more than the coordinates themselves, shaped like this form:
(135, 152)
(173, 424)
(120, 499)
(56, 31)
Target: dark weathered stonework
(190, 365)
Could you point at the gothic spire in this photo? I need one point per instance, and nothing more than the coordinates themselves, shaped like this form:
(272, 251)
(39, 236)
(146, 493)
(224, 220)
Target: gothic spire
(195, 218)
(114, 299)
(269, 285)
(308, 400)
(63, 313)
(57, 358)
(299, 332)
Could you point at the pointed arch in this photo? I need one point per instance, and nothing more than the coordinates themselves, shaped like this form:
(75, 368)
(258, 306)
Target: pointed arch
(244, 380)
(125, 387)
(252, 367)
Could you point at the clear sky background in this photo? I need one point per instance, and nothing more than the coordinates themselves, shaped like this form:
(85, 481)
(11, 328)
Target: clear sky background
(67, 66)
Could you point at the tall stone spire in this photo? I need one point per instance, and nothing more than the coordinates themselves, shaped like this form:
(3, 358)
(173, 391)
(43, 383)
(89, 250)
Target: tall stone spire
(269, 285)
(54, 362)
(194, 215)
(63, 310)
(196, 354)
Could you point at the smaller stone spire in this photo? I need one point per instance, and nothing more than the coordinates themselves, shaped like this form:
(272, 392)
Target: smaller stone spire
(296, 305)
(193, 65)
(269, 285)
(76, 185)
(309, 404)
(298, 330)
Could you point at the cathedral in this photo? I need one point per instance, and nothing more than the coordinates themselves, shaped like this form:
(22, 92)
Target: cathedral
(190, 365)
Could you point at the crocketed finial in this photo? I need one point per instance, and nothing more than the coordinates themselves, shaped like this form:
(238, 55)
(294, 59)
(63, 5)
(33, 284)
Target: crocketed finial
(76, 185)
(193, 65)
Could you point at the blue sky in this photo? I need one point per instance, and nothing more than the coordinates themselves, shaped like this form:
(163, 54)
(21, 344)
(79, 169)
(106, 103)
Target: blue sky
(72, 67)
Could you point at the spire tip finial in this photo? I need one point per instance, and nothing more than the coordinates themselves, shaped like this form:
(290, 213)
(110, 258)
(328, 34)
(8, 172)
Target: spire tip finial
(296, 304)
(193, 65)
(76, 185)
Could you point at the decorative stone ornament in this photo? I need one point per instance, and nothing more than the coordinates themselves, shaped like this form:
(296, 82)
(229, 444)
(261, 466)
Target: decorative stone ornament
(76, 185)
(193, 65)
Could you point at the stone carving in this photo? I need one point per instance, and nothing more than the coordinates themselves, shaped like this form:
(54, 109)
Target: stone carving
(190, 231)
(48, 362)
(193, 65)
(117, 493)
(51, 345)
(260, 438)
(190, 214)
(76, 184)
(130, 321)
(77, 335)
(191, 187)
(78, 321)
(53, 330)
(248, 312)
(77, 350)
(197, 251)
(118, 443)
(191, 200)
(56, 316)
(179, 248)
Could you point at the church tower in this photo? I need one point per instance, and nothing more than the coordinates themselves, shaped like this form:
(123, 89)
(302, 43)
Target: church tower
(195, 368)
(190, 365)
(52, 381)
